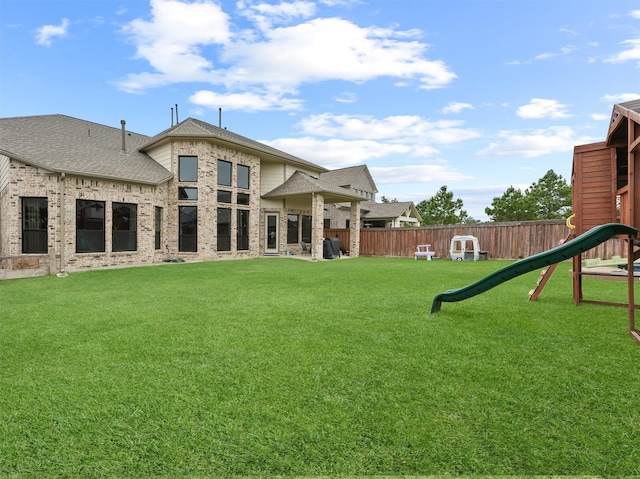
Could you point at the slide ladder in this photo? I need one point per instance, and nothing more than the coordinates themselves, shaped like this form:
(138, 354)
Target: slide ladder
(546, 275)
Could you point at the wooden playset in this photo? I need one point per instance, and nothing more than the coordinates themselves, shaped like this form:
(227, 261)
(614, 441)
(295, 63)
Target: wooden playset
(606, 205)
(606, 189)
(605, 185)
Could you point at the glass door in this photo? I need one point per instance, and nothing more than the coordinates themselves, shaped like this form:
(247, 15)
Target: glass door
(271, 233)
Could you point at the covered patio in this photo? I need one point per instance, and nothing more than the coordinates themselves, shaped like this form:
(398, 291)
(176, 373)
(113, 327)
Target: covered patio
(313, 193)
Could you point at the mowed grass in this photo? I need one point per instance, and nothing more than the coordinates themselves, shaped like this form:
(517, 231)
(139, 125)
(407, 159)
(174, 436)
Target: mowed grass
(274, 367)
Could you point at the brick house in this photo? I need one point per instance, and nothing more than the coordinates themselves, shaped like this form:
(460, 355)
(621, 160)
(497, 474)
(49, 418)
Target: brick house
(76, 195)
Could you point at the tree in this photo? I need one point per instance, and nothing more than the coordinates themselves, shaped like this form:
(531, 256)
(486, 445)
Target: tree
(513, 205)
(442, 209)
(549, 198)
(384, 199)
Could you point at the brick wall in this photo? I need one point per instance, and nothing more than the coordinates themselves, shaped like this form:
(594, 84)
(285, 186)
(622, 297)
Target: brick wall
(62, 193)
(208, 155)
(146, 197)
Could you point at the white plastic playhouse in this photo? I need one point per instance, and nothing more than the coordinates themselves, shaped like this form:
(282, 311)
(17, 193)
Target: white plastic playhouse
(466, 248)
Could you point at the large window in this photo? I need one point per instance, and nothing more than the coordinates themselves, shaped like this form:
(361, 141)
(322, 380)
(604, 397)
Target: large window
(158, 226)
(224, 229)
(90, 226)
(224, 173)
(306, 228)
(243, 176)
(292, 229)
(188, 229)
(124, 227)
(243, 230)
(35, 221)
(188, 168)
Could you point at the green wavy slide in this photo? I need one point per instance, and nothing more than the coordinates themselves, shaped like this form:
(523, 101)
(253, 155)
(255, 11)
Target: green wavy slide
(571, 248)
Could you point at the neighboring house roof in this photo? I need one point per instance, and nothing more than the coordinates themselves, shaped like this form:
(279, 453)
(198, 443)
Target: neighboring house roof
(63, 144)
(303, 184)
(390, 210)
(357, 177)
(193, 128)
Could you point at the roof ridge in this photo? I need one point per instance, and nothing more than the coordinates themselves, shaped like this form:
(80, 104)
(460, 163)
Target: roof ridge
(223, 134)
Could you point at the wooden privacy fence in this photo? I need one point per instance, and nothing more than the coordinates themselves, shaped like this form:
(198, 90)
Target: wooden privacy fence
(502, 240)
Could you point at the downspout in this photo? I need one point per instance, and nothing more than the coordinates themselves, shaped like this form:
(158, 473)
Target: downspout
(62, 272)
(314, 239)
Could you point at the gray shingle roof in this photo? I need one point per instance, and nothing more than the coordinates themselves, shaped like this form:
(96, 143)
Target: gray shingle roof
(343, 176)
(193, 128)
(61, 143)
(301, 183)
(353, 176)
(621, 113)
(386, 210)
(633, 105)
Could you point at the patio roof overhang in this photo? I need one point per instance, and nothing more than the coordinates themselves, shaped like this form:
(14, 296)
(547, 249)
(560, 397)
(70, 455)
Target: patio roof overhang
(301, 185)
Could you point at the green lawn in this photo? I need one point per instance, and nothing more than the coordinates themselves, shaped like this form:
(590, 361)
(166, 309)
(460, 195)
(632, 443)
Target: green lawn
(271, 367)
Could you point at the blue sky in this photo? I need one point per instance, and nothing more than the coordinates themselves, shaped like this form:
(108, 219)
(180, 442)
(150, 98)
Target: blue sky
(477, 95)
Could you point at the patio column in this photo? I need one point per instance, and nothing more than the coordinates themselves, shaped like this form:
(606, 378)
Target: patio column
(317, 225)
(354, 230)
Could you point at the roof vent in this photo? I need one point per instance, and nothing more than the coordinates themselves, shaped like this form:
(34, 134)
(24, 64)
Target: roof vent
(124, 143)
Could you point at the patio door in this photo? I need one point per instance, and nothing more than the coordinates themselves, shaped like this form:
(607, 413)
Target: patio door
(271, 221)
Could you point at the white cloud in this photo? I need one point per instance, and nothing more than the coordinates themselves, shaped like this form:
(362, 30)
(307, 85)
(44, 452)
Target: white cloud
(456, 107)
(172, 42)
(534, 144)
(249, 101)
(541, 108)
(333, 3)
(415, 174)
(346, 97)
(265, 15)
(177, 43)
(333, 49)
(352, 139)
(46, 33)
(620, 97)
(568, 31)
(632, 53)
(401, 128)
(563, 51)
(545, 56)
(336, 153)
